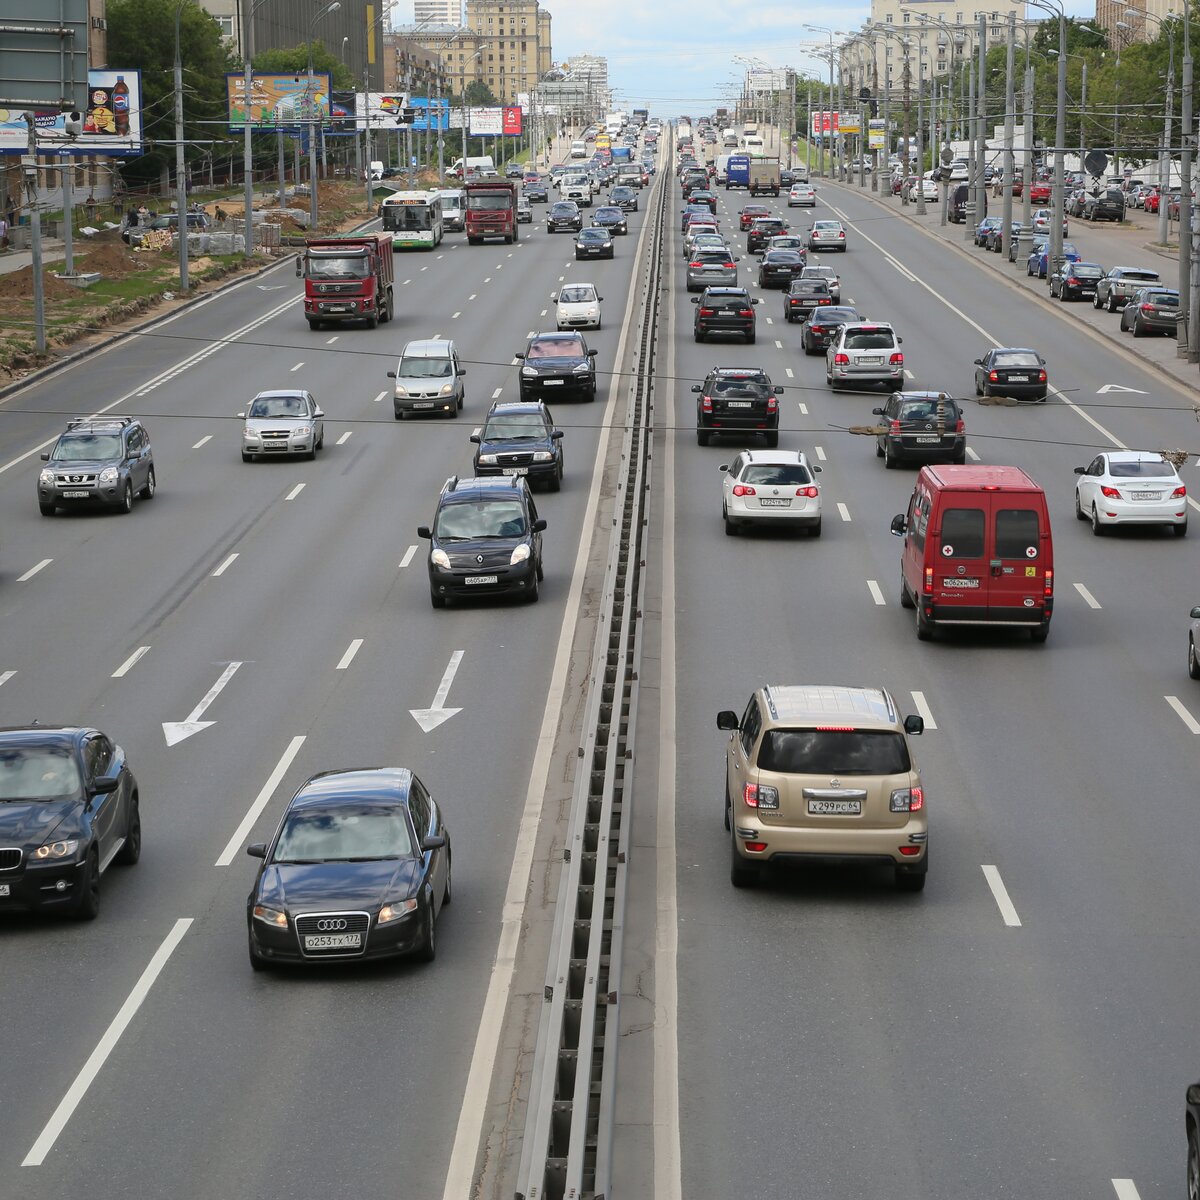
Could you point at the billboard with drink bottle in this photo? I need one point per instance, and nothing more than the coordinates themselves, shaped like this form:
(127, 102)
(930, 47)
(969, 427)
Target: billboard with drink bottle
(112, 121)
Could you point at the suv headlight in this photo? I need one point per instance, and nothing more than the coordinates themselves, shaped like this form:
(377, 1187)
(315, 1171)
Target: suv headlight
(519, 555)
(64, 848)
(46, 477)
(109, 475)
(395, 910)
(270, 916)
(542, 456)
(440, 558)
(583, 368)
(529, 372)
(487, 459)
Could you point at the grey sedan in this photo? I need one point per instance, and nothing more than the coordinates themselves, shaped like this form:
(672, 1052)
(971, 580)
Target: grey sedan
(283, 422)
(1193, 638)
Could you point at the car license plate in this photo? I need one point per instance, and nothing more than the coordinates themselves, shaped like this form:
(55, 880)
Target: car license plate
(1145, 495)
(1018, 379)
(473, 579)
(552, 383)
(835, 808)
(738, 403)
(870, 360)
(960, 583)
(332, 308)
(515, 471)
(76, 495)
(4, 890)
(333, 941)
(771, 503)
(926, 439)
(423, 404)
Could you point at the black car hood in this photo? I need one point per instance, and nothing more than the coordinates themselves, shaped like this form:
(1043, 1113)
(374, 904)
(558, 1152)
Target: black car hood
(515, 445)
(29, 823)
(324, 887)
(474, 554)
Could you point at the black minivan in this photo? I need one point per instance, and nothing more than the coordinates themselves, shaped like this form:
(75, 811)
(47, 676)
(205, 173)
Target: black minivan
(958, 204)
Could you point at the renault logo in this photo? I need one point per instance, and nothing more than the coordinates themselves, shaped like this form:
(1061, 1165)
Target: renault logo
(479, 558)
(331, 924)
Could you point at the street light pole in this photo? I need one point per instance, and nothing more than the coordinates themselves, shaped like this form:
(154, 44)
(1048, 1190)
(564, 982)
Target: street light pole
(180, 179)
(1010, 122)
(314, 112)
(1189, 270)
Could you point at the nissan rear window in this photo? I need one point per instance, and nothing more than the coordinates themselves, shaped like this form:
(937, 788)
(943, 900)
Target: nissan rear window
(1016, 533)
(834, 752)
(962, 533)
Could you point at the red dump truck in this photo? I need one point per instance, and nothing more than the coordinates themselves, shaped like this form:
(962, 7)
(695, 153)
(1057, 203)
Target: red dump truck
(347, 279)
(491, 210)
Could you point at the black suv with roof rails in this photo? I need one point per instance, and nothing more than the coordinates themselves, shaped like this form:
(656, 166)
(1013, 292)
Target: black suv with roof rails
(519, 438)
(737, 400)
(558, 365)
(724, 310)
(97, 463)
(486, 540)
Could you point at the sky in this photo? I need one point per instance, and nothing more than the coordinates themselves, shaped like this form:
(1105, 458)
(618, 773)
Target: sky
(678, 56)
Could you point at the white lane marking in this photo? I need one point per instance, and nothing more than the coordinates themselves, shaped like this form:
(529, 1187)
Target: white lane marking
(778, 344)
(488, 279)
(330, 341)
(260, 802)
(770, 321)
(1183, 714)
(876, 592)
(443, 255)
(496, 393)
(510, 254)
(843, 511)
(177, 731)
(437, 337)
(130, 662)
(297, 367)
(820, 451)
(407, 281)
(105, 1046)
(472, 296)
(790, 372)
(803, 409)
(437, 713)
(1091, 600)
(1000, 893)
(5, 676)
(344, 438)
(455, 316)
(544, 311)
(294, 492)
(425, 267)
(531, 333)
(380, 397)
(225, 565)
(203, 441)
(972, 455)
(562, 277)
(34, 570)
(348, 657)
(408, 557)
(1125, 1189)
(908, 374)
(923, 708)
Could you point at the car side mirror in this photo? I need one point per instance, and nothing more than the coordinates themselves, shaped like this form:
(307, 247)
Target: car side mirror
(877, 411)
(1081, 470)
(899, 525)
(723, 467)
(914, 723)
(391, 374)
(756, 300)
(978, 362)
(242, 416)
(695, 299)
(104, 784)
(257, 850)
(435, 841)
(45, 456)
(318, 413)
(592, 353)
(299, 267)
(539, 525)
(727, 719)
(423, 531)
(1195, 613)
(900, 341)
(521, 356)
(815, 469)
(696, 386)
(556, 435)
(475, 437)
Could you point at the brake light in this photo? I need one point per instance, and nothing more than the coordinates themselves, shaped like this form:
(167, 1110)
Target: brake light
(728, 266)
(929, 581)
(1048, 584)
(743, 489)
(772, 404)
(993, 376)
(706, 312)
(1179, 493)
(745, 312)
(896, 428)
(706, 404)
(841, 360)
(811, 492)
(1111, 493)
(1146, 308)
(756, 795)
(907, 800)
(960, 426)
(824, 300)
(897, 359)
(841, 234)
(695, 266)
(835, 728)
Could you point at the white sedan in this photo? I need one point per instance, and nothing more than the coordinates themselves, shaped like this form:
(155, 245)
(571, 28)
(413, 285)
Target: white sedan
(776, 487)
(577, 306)
(1130, 487)
(802, 194)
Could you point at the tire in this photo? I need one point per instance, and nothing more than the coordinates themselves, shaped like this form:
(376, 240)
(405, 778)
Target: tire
(247, 457)
(1180, 530)
(1038, 634)
(436, 600)
(131, 851)
(741, 875)
(1193, 660)
(87, 907)
(1097, 528)
(731, 527)
(699, 335)
(906, 601)
(1112, 304)
(889, 459)
(385, 313)
(373, 320)
(555, 483)
(978, 389)
(1096, 300)
(448, 890)
(750, 339)
(815, 530)
(911, 881)
(924, 627)
(47, 510)
(147, 493)
(126, 502)
(427, 950)
(1138, 331)
(1080, 515)
(772, 439)
(531, 596)
(878, 449)
(702, 437)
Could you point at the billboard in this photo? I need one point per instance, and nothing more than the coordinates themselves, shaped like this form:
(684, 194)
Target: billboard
(849, 122)
(276, 101)
(510, 120)
(821, 123)
(877, 136)
(496, 122)
(767, 81)
(112, 121)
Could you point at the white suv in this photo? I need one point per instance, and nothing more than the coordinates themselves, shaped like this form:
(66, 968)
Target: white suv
(865, 352)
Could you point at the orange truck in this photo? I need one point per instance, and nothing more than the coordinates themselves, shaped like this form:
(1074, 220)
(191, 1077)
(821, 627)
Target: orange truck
(491, 210)
(347, 278)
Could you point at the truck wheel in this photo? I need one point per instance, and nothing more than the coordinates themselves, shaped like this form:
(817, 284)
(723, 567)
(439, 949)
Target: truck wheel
(389, 309)
(516, 235)
(373, 320)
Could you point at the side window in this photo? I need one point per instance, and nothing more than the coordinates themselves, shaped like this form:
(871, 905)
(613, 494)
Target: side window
(133, 443)
(1097, 466)
(751, 726)
(920, 520)
(1017, 533)
(418, 805)
(962, 533)
(97, 755)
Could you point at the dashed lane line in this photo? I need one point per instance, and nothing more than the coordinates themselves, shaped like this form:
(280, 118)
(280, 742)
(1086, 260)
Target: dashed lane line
(1092, 602)
(344, 438)
(1182, 713)
(129, 663)
(843, 511)
(294, 492)
(923, 708)
(348, 657)
(408, 557)
(203, 441)
(34, 570)
(225, 565)
(1000, 895)
(876, 592)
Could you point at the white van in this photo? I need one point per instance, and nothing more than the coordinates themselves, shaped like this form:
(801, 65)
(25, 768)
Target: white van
(483, 165)
(454, 208)
(578, 150)
(754, 145)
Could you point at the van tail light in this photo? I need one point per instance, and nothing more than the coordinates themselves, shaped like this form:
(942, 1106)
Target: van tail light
(895, 428)
(897, 359)
(1179, 493)
(743, 489)
(841, 360)
(929, 581)
(1048, 583)
(811, 492)
(960, 426)
(757, 795)
(907, 800)
(1111, 493)
(706, 404)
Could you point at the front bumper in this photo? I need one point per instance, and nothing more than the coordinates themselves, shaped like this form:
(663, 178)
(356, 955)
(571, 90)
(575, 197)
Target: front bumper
(424, 405)
(91, 495)
(41, 887)
(381, 941)
(270, 447)
(508, 579)
(558, 387)
(534, 472)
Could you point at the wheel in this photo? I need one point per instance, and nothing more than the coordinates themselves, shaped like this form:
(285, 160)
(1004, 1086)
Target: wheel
(313, 324)
(1112, 304)
(1097, 528)
(699, 336)
(131, 851)
(126, 503)
(889, 459)
(436, 600)
(906, 601)
(728, 810)
(386, 312)
(1080, 515)
(1096, 300)
(750, 339)
(426, 951)
(960, 459)
(531, 596)
(555, 483)
(1193, 661)
(87, 907)
(247, 457)
(878, 449)
(1039, 634)
(1180, 530)
(815, 530)
(911, 881)
(741, 874)
(702, 436)
(731, 527)
(540, 572)
(772, 438)
(448, 892)
(924, 626)
(1138, 328)
(47, 510)
(373, 320)
(147, 493)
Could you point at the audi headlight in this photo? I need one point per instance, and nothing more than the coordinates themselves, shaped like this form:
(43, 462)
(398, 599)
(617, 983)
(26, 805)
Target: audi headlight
(440, 558)
(519, 555)
(488, 459)
(46, 478)
(542, 456)
(65, 848)
(395, 910)
(270, 916)
(109, 475)
(529, 372)
(583, 368)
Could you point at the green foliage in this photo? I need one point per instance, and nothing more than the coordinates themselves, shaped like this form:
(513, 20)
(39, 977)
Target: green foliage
(294, 61)
(479, 95)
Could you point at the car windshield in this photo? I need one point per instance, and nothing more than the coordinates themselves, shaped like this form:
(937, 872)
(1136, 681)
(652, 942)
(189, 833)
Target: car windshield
(563, 210)
(415, 367)
(83, 447)
(834, 752)
(489, 201)
(577, 295)
(38, 773)
(593, 235)
(555, 348)
(1015, 358)
(834, 316)
(331, 266)
(348, 833)
(787, 474)
(612, 214)
(274, 407)
(882, 340)
(480, 519)
(1140, 470)
(514, 427)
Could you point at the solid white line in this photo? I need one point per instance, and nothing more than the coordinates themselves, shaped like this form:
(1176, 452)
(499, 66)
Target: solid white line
(923, 708)
(820, 452)
(1091, 600)
(1183, 714)
(843, 511)
(34, 570)
(1125, 1189)
(496, 393)
(296, 367)
(105, 1046)
(803, 409)
(876, 592)
(1000, 893)
(972, 455)
(348, 657)
(344, 438)
(203, 441)
(129, 663)
(225, 565)
(408, 557)
(790, 373)
(260, 802)
(531, 333)
(330, 341)
(380, 397)
(294, 492)
(5, 676)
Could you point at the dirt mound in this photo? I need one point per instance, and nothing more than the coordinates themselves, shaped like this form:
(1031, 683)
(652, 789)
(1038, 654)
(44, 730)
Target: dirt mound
(18, 285)
(114, 259)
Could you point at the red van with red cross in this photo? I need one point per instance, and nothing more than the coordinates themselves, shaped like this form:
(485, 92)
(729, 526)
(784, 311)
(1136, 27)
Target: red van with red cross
(977, 550)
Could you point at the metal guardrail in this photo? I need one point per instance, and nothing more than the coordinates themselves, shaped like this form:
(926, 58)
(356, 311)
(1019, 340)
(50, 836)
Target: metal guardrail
(566, 1151)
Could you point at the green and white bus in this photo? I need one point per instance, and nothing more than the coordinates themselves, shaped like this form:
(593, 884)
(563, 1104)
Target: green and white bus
(414, 219)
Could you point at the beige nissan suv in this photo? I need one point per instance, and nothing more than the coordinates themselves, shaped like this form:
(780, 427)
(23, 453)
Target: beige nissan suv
(824, 774)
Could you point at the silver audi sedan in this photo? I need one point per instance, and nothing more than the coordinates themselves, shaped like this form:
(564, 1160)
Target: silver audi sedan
(282, 423)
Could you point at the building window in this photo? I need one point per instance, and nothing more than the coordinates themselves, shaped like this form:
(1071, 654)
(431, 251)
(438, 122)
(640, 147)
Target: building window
(226, 24)
(907, 16)
(889, 18)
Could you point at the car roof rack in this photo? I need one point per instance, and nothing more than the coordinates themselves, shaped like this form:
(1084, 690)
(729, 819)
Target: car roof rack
(98, 422)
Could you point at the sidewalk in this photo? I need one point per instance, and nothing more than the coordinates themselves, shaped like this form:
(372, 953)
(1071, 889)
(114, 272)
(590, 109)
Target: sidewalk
(52, 251)
(1131, 244)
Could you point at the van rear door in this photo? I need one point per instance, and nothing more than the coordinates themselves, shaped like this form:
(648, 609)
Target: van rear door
(1020, 562)
(957, 557)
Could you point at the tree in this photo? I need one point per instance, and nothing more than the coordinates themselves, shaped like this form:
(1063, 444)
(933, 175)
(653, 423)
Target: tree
(294, 61)
(141, 36)
(479, 95)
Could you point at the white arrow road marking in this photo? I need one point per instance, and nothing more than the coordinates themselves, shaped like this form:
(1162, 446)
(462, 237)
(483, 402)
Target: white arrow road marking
(1116, 387)
(176, 731)
(430, 718)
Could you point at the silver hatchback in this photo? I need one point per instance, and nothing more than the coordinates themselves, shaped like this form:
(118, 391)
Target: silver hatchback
(711, 268)
(863, 353)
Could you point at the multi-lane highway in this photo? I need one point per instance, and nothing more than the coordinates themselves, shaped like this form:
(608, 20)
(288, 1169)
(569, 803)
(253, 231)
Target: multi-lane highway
(1022, 1028)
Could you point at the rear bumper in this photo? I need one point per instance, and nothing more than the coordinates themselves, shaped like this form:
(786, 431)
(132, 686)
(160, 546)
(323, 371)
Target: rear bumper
(841, 846)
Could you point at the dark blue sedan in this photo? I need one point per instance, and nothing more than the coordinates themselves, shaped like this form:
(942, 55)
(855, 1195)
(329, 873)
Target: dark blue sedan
(1039, 258)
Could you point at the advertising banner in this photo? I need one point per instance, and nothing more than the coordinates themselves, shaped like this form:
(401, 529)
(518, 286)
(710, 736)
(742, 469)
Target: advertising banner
(399, 110)
(276, 101)
(112, 121)
(822, 121)
(849, 122)
(877, 135)
(511, 121)
(486, 121)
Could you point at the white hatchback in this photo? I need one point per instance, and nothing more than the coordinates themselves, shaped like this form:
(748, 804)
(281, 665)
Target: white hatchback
(1130, 487)
(802, 194)
(577, 306)
(771, 487)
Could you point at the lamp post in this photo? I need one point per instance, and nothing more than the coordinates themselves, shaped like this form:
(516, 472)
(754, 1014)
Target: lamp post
(1164, 156)
(1083, 95)
(1060, 135)
(315, 115)
(180, 179)
(247, 150)
(835, 141)
(1189, 270)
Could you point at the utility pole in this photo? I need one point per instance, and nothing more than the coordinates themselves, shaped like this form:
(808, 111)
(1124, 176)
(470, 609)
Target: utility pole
(1010, 119)
(980, 188)
(1060, 153)
(180, 175)
(67, 175)
(1026, 199)
(907, 115)
(247, 152)
(29, 168)
(1189, 270)
(1164, 159)
(920, 130)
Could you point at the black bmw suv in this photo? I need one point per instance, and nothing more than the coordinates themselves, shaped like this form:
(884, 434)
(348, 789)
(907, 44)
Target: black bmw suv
(486, 540)
(736, 400)
(97, 464)
(557, 365)
(724, 310)
(519, 438)
(68, 808)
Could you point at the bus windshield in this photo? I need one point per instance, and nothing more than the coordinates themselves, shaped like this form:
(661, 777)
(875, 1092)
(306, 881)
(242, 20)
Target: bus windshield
(407, 216)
